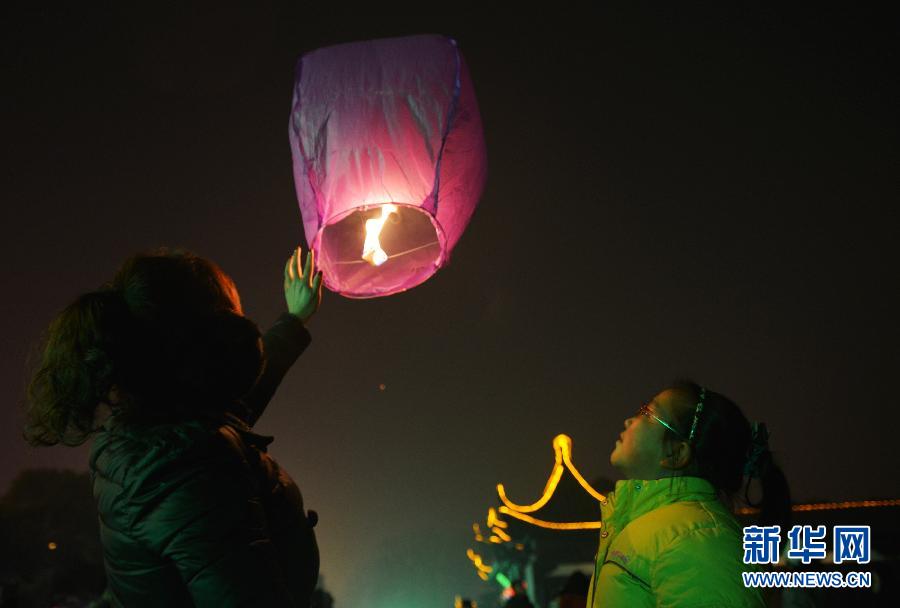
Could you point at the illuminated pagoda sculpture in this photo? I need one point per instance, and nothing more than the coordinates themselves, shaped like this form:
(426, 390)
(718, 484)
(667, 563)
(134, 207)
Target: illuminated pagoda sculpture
(516, 548)
(562, 448)
(389, 159)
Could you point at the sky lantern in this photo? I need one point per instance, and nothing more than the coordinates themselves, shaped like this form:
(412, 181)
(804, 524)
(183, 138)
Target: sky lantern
(389, 159)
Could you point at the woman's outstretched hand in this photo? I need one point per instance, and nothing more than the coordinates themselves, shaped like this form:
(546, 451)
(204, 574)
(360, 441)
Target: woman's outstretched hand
(302, 285)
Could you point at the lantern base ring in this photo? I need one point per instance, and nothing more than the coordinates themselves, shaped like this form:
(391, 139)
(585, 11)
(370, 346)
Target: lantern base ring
(393, 255)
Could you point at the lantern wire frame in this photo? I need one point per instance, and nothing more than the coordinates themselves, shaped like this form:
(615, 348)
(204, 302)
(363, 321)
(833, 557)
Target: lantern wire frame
(414, 246)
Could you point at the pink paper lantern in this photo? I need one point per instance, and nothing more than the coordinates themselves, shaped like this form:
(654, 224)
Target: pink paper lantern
(385, 136)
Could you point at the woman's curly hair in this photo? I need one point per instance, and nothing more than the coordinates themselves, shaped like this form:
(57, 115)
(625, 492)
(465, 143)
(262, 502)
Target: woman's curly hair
(167, 333)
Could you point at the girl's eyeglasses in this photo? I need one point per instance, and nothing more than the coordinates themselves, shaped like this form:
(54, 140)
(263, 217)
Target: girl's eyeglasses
(646, 411)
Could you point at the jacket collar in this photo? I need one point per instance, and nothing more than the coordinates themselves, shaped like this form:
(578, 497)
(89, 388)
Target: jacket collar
(635, 497)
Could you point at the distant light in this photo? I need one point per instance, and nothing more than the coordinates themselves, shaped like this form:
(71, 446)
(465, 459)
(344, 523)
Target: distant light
(51, 546)
(483, 569)
(381, 387)
(493, 520)
(477, 530)
(829, 506)
(503, 535)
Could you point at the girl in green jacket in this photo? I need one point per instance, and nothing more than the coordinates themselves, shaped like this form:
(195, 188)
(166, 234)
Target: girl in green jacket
(669, 536)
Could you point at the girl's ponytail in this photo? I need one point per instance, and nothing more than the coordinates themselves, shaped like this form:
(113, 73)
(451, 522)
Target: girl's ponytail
(775, 504)
(730, 452)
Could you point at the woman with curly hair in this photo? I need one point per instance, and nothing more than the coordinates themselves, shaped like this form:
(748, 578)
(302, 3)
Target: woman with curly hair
(162, 369)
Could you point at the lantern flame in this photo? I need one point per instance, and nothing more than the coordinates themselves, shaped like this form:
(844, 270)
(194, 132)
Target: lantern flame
(372, 251)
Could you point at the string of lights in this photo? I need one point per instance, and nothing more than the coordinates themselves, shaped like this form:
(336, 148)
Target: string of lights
(831, 506)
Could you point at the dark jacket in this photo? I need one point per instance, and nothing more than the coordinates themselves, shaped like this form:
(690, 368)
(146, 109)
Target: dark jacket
(198, 514)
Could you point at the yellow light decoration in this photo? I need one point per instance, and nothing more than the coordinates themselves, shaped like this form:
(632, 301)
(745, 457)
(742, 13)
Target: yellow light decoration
(552, 482)
(830, 506)
(503, 535)
(482, 575)
(51, 546)
(552, 525)
(565, 443)
(372, 251)
(562, 448)
(477, 561)
(494, 521)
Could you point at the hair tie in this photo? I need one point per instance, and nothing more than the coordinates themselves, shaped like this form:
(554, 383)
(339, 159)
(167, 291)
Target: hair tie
(759, 445)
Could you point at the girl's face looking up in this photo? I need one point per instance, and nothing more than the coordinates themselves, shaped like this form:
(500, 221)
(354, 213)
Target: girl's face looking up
(643, 451)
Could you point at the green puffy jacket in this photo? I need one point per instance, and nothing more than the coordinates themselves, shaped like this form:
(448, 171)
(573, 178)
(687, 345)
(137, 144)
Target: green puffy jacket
(198, 514)
(669, 542)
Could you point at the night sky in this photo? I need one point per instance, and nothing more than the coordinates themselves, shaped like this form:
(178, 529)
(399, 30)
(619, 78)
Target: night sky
(707, 193)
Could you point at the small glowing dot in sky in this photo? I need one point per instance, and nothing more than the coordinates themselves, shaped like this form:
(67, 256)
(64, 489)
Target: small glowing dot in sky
(382, 386)
(51, 546)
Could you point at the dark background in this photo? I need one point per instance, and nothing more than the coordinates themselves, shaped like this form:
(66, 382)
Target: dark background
(704, 191)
